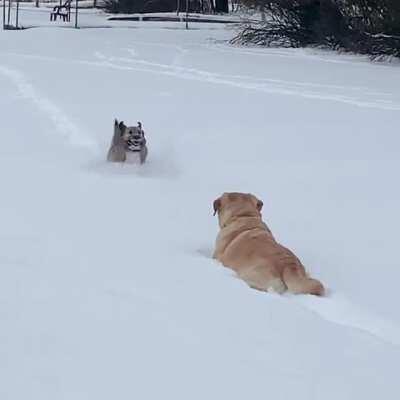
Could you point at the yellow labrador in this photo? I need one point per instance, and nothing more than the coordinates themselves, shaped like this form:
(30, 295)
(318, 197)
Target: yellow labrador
(246, 245)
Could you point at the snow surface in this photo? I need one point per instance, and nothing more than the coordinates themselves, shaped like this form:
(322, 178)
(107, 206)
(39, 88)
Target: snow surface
(107, 286)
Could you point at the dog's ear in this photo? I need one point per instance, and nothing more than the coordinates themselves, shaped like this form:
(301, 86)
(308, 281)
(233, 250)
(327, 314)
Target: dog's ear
(259, 205)
(140, 127)
(121, 126)
(217, 205)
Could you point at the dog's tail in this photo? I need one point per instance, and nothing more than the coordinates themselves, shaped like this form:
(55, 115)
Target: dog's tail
(298, 282)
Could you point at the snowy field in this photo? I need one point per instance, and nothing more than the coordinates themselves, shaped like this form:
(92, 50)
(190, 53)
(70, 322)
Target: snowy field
(107, 286)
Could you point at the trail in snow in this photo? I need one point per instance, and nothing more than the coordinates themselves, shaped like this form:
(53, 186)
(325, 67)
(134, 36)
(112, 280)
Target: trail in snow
(338, 309)
(360, 97)
(62, 123)
(246, 78)
(271, 86)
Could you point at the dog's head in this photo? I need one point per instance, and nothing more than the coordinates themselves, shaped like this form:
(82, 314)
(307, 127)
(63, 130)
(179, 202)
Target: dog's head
(135, 133)
(234, 205)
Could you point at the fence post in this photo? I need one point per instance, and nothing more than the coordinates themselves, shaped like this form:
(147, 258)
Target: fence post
(76, 13)
(17, 15)
(4, 14)
(187, 12)
(9, 13)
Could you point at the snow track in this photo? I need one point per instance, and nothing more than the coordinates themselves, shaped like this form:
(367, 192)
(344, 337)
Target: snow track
(338, 309)
(352, 95)
(270, 86)
(62, 124)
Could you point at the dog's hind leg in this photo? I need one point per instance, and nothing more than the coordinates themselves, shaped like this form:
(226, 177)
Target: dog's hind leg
(298, 282)
(265, 279)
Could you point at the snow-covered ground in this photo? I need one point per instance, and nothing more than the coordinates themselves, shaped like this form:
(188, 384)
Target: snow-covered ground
(107, 288)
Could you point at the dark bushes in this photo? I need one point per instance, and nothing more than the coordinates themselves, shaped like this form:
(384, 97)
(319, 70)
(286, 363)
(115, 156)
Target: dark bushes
(139, 6)
(362, 26)
(150, 6)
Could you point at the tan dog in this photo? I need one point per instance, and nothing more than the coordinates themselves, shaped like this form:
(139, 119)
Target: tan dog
(246, 245)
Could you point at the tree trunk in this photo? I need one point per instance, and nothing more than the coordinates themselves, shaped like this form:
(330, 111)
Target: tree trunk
(222, 6)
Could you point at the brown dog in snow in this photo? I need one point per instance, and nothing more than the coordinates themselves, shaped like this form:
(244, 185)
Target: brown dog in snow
(246, 245)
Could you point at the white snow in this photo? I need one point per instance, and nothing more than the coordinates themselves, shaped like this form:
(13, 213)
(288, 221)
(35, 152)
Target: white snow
(107, 286)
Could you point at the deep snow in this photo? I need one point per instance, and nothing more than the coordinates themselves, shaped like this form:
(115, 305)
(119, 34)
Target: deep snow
(107, 289)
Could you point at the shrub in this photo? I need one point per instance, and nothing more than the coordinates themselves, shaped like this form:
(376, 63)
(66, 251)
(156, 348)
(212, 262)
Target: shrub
(363, 26)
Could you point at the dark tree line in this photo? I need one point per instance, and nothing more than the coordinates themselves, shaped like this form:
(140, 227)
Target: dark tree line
(149, 6)
(362, 26)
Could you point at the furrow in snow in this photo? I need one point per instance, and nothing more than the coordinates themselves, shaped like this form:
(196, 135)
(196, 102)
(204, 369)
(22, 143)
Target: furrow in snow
(62, 124)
